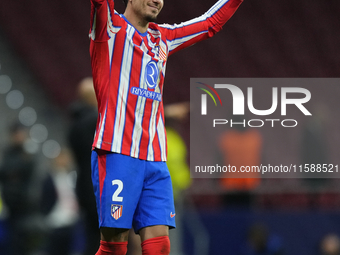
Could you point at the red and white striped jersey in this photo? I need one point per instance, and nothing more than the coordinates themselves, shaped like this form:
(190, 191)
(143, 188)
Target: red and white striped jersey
(128, 71)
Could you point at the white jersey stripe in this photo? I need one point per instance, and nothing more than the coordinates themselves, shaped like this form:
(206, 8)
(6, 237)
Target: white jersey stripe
(152, 129)
(123, 92)
(93, 29)
(109, 21)
(111, 43)
(111, 29)
(178, 41)
(139, 113)
(161, 138)
(101, 129)
(153, 121)
(186, 23)
(217, 6)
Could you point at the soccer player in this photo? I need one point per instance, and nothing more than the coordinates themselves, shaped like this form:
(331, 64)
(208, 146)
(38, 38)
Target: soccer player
(129, 173)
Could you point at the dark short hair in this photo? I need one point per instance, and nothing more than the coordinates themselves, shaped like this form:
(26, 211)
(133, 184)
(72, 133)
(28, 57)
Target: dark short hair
(125, 2)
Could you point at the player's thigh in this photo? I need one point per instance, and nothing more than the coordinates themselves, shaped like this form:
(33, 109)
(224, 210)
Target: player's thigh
(153, 231)
(114, 234)
(117, 182)
(134, 244)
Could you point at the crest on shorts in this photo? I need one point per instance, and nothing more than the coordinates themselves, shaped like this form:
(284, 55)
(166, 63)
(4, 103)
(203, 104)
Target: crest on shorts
(116, 211)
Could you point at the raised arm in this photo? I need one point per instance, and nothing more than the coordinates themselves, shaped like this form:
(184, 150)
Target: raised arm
(198, 29)
(102, 12)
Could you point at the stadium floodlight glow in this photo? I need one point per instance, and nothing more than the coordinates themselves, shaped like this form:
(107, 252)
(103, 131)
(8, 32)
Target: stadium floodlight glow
(27, 116)
(30, 146)
(51, 149)
(14, 99)
(5, 84)
(38, 133)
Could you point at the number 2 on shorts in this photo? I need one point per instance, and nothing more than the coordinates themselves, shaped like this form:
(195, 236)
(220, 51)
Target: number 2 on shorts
(115, 196)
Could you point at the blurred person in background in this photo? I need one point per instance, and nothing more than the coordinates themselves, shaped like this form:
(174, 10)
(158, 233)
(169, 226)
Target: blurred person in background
(314, 147)
(16, 173)
(175, 115)
(64, 215)
(240, 146)
(3, 223)
(261, 242)
(330, 245)
(84, 118)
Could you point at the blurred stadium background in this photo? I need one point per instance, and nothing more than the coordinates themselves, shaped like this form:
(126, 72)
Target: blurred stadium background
(44, 54)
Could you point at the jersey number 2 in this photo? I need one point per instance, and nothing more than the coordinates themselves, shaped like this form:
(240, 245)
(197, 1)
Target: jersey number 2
(115, 196)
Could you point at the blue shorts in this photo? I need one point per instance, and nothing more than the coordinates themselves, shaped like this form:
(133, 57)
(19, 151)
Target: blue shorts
(131, 192)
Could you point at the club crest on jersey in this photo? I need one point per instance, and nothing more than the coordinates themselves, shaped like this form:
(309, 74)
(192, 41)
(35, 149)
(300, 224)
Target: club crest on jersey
(116, 211)
(161, 52)
(151, 74)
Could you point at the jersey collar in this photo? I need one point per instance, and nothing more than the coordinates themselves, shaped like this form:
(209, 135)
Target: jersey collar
(142, 34)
